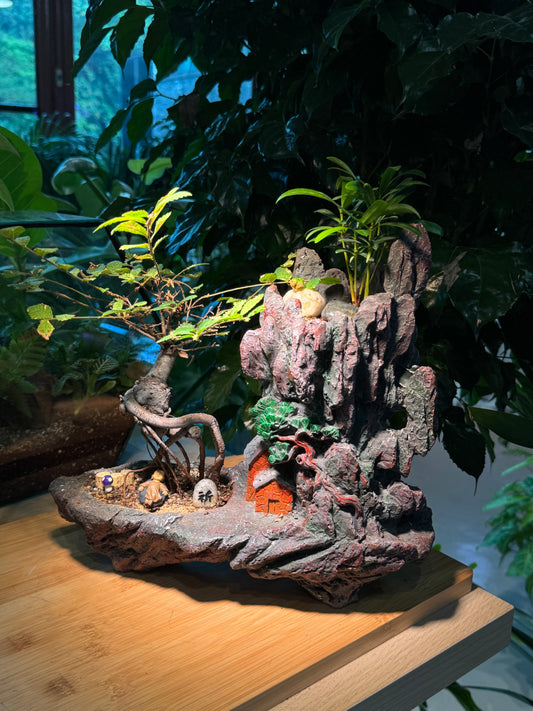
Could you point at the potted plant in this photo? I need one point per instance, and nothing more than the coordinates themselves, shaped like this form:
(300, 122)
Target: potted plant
(60, 406)
(320, 496)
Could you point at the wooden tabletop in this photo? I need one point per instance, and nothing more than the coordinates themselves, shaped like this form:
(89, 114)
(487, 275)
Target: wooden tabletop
(202, 637)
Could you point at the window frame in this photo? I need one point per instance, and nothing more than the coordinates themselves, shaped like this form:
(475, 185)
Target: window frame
(52, 21)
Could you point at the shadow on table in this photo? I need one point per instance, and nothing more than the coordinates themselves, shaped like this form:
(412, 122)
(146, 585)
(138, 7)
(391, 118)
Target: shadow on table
(434, 582)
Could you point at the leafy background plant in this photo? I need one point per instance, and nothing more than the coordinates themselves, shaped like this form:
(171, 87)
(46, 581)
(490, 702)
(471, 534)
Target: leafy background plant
(512, 527)
(80, 362)
(439, 86)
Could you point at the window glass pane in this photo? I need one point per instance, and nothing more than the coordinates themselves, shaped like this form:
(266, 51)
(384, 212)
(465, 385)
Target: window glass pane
(20, 123)
(98, 86)
(18, 86)
(101, 88)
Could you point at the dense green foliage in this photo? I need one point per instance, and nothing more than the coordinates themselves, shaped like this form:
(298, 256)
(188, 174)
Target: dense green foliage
(98, 88)
(441, 86)
(512, 528)
(20, 359)
(135, 289)
(81, 361)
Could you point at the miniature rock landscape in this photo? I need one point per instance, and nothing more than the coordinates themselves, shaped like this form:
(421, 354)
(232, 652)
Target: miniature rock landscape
(320, 496)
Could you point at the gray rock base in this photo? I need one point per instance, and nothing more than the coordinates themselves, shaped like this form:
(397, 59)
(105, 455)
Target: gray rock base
(265, 545)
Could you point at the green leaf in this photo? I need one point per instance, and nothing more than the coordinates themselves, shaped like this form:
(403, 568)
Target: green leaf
(521, 128)
(126, 33)
(526, 463)
(463, 696)
(23, 357)
(522, 563)
(221, 384)
(90, 42)
(418, 70)
(111, 130)
(513, 428)
(69, 174)
(130, 227)
(5, 196)
(248, 307)
(140, 122)
(45, 329)
(106, 387)
(6, 145)
(489, 283)
(129, 247)
(151, 172)
(377, 209)
(30, 218)
(138, 216)
(317, 234)
(40, 311)
(182, 332)
(337, 21)
(507, 692)
(169, 305)
(313, 283)
(462, 28)
(529, 590)
(21, 174)
(305, 192)
(432, 227)
(465, 446)
(501, 537)
(506, 500)
(269, 278)
(172, 196)
(283, 274)
(344, 167)
(160, 222)
(64, 317)
(44, 251)
(401, 23)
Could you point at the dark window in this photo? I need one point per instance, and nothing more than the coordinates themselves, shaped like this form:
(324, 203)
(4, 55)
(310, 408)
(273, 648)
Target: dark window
(35, 60)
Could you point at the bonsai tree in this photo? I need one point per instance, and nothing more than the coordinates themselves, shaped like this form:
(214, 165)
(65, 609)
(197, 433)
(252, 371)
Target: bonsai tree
(139, 292)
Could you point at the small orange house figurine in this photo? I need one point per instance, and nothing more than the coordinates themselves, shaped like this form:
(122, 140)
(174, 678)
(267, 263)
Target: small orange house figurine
(272, 496)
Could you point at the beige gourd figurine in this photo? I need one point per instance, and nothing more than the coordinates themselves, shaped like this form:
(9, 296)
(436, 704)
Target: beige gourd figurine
(311, 301)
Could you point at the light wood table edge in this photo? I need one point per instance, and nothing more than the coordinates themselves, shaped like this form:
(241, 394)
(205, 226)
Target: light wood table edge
(415, 664)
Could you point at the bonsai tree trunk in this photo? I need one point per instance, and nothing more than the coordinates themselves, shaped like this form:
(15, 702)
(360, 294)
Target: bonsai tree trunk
(148, 402)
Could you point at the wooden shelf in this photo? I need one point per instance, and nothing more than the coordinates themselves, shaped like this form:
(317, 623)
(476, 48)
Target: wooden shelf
(201, 637)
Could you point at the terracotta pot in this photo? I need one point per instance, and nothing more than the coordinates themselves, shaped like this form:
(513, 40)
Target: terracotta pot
(81, 435)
